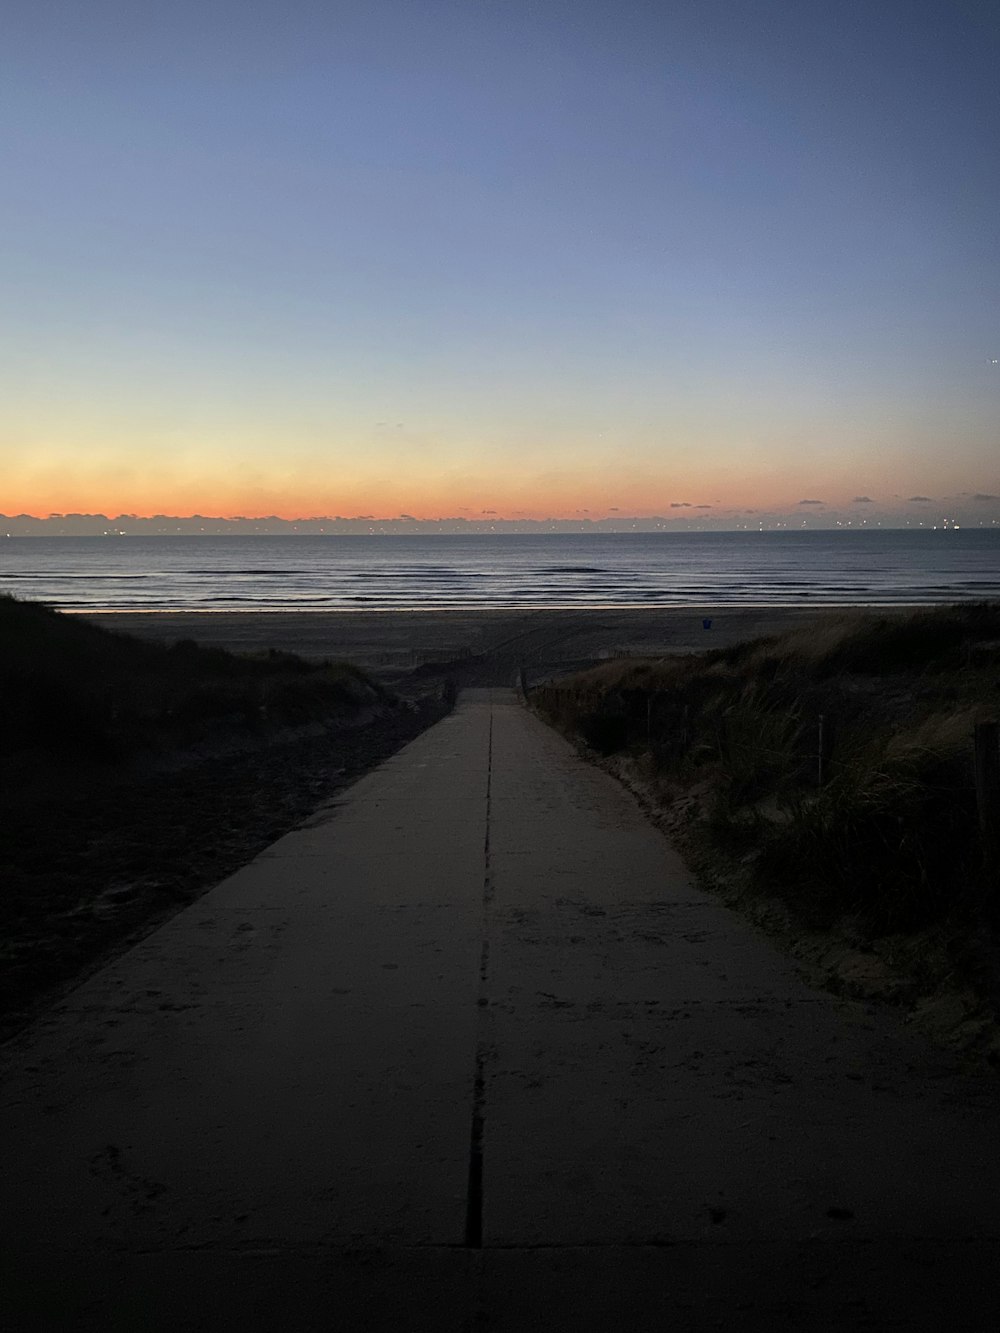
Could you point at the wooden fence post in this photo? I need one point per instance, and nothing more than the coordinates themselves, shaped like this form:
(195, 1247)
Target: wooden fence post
(987, 744)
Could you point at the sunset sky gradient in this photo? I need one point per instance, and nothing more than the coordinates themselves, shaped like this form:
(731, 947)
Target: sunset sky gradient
(356, 256)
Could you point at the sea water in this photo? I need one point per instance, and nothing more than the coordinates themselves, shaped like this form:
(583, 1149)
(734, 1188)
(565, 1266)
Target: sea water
(304, 573)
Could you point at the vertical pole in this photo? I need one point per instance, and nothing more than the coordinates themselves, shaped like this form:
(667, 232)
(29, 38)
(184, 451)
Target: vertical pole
(822, 752)
(987, 744)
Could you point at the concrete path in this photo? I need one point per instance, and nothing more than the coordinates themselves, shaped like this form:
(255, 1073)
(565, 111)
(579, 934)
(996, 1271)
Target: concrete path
(470, 1051)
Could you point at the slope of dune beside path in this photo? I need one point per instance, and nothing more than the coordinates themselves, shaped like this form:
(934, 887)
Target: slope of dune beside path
(134, 775)
(825, 780)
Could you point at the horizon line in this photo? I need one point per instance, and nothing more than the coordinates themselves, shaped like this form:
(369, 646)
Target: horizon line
(100, 524)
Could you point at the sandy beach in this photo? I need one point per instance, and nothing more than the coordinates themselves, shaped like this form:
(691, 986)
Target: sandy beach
(484, 647)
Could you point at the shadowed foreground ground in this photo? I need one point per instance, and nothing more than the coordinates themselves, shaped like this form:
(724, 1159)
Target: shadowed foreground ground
(470, 1051)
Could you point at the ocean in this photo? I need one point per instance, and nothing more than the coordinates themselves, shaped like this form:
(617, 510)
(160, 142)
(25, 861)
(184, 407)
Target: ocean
(307, 573)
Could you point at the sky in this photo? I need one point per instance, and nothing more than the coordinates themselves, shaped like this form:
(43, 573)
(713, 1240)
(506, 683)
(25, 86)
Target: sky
(529, 257)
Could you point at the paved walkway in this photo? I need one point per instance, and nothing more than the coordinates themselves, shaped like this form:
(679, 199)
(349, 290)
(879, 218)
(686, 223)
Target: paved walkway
(470, 1051)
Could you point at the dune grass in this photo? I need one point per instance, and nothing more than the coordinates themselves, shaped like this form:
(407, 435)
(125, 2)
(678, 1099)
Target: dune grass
(888, 834)
(134, 776)
(71, 689)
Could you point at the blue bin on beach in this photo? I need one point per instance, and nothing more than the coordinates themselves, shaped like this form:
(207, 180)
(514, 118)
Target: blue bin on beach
(706, 624)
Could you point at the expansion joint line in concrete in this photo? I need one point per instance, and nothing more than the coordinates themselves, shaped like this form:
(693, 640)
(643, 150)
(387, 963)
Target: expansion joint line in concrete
(474, 1195)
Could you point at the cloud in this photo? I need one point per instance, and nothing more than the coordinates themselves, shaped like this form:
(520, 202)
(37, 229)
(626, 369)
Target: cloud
(679, 504)
(863, 500)
(981, 496)
(749, 511)
(409, 517)
(921, 500)
(489, 511)
(812, 502)
(614, 510)
(703, 506)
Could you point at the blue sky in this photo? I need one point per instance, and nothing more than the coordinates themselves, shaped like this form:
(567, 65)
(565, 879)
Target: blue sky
(435, 258)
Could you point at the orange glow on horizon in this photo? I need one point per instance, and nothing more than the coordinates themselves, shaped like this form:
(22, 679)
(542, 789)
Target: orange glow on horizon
(582, 489)
(672, 511)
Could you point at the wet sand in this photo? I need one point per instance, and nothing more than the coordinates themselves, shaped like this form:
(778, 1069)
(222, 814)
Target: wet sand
(488, 645)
